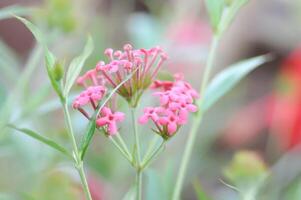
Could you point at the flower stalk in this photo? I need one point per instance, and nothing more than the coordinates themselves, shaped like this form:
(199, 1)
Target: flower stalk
(137, 157)
(77, 159)
(177, 100)
(196, 122)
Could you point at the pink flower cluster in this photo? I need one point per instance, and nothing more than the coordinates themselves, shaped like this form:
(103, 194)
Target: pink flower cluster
(92, 94)
(176, 97)
(143, 63)
(109, 119)
(176, 101)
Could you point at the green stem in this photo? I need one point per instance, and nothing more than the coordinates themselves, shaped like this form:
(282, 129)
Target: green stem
(69, 127)
(139, 184)
(138, 161)
(185, 158)
(196, 122)
(137, 141)
(150, 158)
(123, 144)
(209, 64)
(122, 151)
(77, 159)
(151, 147)
(84, 181)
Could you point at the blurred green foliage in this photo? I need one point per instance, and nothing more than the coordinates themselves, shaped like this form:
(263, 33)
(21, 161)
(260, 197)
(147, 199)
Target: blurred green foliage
(246, 170)
(59, 14)
(56, 185)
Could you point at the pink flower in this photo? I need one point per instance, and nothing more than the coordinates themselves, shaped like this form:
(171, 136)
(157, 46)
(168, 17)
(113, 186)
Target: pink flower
(91, 77)
(171, 121)
(176, 102)
(144, 63)
(150, 113)
(176, 97)
(165, 85)
(109, 119)
(91, 95)
(183, 108)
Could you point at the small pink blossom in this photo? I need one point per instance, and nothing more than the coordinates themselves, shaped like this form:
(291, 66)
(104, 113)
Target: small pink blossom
(91, 77)
(109, 119)
(171, 121)
(165, 85)
(92, 95)
(176, 97)
(144, 63)
(176, 102)
(150, 113)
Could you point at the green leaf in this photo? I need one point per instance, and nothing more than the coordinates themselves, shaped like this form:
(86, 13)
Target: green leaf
(91, 126)
(50, 59)
(76, 66)
(215, 11)
(18, 92)
(200, 193)
(34, 30)
(86, 140)
(9, 11)
(42, 139)
(224, 81)
(231, 11)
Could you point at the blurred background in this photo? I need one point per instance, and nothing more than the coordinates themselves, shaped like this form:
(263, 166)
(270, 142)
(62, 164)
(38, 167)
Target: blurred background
(250, 139)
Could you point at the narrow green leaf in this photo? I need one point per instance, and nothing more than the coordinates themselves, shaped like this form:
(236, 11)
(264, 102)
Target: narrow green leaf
(50, 63)
(224, 81)
(88, 137)
(34, 30)
(50, 59)
(91, 126)
(215, 11)
(76, 66)
(22, 82)
(230, 13)
(42, 139)
(9, 11)
(200, 193)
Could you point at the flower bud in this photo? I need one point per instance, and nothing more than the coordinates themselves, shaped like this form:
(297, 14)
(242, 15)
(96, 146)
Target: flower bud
(58, 71)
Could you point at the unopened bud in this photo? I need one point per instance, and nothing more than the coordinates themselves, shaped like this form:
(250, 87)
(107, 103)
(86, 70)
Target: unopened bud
(58, 71)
